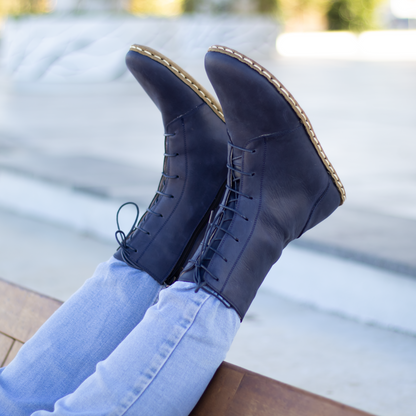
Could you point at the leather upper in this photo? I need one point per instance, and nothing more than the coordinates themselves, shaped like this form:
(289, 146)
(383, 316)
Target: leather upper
(283, 189)
(171, 95)
(197, 139)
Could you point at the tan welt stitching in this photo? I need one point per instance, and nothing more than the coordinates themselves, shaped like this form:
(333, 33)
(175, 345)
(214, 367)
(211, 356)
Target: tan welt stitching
(296, 107)
(198, 89)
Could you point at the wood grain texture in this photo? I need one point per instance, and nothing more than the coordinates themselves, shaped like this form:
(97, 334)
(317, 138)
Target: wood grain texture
(5, 345)
(13, 352)
(220, 392)
(22, 311)
(235, 391)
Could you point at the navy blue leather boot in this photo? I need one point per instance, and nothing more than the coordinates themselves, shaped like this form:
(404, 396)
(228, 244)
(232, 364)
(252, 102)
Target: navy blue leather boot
(194, 168)
(279, 185)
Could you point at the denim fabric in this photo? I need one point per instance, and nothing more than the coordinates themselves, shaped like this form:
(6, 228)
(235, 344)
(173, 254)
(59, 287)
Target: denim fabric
(164, 365)
(82, 332)
(160, 366)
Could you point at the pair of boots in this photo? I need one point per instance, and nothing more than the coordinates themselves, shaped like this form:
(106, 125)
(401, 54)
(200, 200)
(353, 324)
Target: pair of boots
(238, 183)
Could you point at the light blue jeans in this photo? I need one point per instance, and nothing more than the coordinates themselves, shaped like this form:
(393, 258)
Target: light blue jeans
(121, 345)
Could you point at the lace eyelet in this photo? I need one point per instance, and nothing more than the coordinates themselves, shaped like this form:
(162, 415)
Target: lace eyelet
(253, 173)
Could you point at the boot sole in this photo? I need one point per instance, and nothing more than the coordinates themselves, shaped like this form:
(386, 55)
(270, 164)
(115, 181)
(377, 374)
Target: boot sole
(281, 89)
(182, 75)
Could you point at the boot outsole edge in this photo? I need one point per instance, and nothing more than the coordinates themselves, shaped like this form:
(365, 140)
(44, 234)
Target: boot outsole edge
(295, 106)
(182, 75)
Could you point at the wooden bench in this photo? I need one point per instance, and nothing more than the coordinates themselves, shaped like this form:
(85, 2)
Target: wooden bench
(233, 391)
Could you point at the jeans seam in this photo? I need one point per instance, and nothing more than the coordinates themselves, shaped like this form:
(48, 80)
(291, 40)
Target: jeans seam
(159, 369)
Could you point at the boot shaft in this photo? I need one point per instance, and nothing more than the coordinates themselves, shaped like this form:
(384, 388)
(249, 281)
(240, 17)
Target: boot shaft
(194, 167)
(277, 186)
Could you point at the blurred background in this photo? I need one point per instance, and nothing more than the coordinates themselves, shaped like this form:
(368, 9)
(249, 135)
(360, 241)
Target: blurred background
(78, 137)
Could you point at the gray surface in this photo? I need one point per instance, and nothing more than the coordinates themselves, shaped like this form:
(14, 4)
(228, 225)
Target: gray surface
(106, 178)
(381, 240)
(51, 260)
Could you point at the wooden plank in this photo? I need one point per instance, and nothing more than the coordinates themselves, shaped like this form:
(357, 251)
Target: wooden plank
(5, 345)
(220, 392)
(235, 391)
(13, 352)
(23, 311)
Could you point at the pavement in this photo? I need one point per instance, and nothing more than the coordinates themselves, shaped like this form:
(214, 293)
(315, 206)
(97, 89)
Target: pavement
(336, 314)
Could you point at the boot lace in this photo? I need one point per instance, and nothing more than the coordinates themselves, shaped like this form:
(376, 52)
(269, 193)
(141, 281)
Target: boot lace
(159, 192)
(120, 235)
(218, 226)
(122, 238)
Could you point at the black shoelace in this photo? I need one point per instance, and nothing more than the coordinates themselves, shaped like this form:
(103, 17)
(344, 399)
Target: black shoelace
(159, 192)
(218, 227)
(121, 237)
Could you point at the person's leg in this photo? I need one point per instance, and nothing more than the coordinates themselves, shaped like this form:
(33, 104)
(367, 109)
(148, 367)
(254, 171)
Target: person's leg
(82, 332)
(164, 365)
